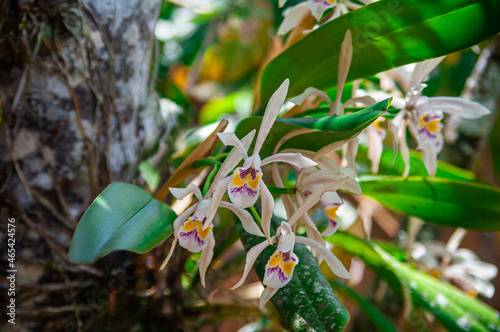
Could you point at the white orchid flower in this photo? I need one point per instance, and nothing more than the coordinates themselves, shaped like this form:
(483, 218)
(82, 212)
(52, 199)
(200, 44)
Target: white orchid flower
(464, 269)
(424, 115)
(319, 184)
(280, 266)
(316, 8)
(246, 183)
(193, 227)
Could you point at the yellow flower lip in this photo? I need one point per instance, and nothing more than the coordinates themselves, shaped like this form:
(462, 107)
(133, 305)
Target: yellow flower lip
(431, 126)
(197, 224)
(277, 259)
(248, 179)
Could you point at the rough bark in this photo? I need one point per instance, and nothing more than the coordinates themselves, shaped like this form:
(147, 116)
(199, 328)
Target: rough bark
(78, 112)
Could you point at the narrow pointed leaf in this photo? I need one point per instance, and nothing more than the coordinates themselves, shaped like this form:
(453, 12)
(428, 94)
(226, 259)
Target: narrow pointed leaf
(329, 129)
(122, 217)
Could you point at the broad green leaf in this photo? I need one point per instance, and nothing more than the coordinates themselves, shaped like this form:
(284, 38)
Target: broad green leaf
(329, 129)
(452, 307)
(445, 202)
(385, 34)
(307, 302)
(417, 166)
(122, 217)
(382, 323)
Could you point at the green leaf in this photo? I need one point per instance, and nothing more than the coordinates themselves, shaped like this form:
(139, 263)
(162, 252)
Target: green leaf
(445, 202)
(382, 323)
(385, 34)
(307, 302)
(329, 129)
(417, 167)
(452, 307)
(122, 217)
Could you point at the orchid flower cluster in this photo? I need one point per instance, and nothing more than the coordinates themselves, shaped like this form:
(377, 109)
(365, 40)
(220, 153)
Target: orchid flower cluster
(318, 180)
(318, 177)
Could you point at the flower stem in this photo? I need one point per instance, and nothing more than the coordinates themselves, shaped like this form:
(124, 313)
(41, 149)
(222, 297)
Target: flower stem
(283, 191)
(210, 177)
(255, 214)
(206, 162)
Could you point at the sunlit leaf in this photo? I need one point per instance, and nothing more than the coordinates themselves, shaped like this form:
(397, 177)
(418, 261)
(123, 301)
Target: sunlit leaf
(329, 129)
(445, 202)
(122, 217)
(385, 34)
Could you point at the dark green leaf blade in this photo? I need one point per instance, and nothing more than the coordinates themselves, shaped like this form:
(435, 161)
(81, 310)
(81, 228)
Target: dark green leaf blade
(378, 319)
(329, 129)
(122, 217)
(417, 167)
(452, 307)
(446, 202)
(385, 34)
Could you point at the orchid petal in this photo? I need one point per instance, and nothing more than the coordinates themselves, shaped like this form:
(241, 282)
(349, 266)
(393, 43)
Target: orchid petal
(243, 189)
(281, 3)
(328, 148)
(252, 256)
(292, 18)
(396, 123)
(293, 133)
(351, 186)
(375, 147)
(181, 219)
(192, 237)
(308, 93)
(220, 190)
(206, 257)
(332, 261)
(230, 139)
(313, 199)
(311, 229)
(246, 218)
(429, 156)
(231, 161)
(423, 69)
(351, 152)
(464, 108)
(279, 269)
(266, 296)
(271, 113)
(366, 101)
(296, 159)
(267, 201)
(286, 239)
(180, 193)
(344, 64)
(405, 152)
(165, 262)
(319, 7)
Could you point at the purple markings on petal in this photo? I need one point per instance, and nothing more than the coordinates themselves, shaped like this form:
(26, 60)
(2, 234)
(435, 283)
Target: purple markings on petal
(192, 236)
(277, 269)
(244, 190)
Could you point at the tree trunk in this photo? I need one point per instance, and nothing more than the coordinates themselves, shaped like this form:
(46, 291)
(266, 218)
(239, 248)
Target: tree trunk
(78, 112)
